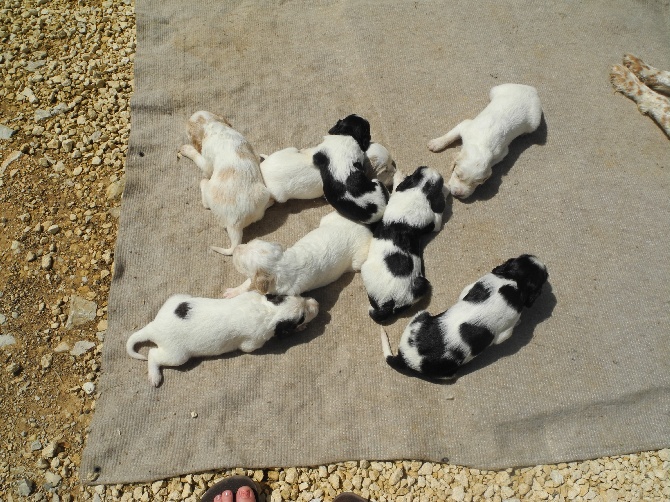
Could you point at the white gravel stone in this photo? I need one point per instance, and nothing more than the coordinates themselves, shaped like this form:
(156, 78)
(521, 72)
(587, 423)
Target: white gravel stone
(7, 340)
(81, 347)
(89, 388)
(6, 132)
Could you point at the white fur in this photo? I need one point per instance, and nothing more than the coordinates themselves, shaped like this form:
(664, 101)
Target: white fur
(291, 174)
(514, 109)
(212, 327)
(337, 246)
(232, 186)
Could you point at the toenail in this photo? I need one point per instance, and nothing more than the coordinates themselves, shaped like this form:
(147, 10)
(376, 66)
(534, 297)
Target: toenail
(244, 492)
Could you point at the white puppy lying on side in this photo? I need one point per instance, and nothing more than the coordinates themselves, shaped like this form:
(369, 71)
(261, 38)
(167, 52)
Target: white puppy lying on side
(187, 327)
(514, 109)
(233, 186)
(291, 174)
(337, 246)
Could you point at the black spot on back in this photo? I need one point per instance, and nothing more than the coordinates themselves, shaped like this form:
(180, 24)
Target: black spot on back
(429, 339)
(477, 337)
(358, 184)
(275, 299)
(182, 310)
(478, 293)
(512, 296)
(402, 235)
(321, 161)
(399, 264)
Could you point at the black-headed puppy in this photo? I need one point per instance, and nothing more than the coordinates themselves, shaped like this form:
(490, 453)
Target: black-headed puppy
(392, 274)
(340, 159)
(485, 314)
(187, 327)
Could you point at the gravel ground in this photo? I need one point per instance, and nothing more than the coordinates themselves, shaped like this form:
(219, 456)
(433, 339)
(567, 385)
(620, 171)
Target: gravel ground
(67, 72)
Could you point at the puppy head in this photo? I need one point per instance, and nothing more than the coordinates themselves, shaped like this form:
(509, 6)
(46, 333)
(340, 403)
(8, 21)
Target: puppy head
(257, 260)
(469, 171)
(296, 312)
(528, 272)
(379, 164)
(354, 126)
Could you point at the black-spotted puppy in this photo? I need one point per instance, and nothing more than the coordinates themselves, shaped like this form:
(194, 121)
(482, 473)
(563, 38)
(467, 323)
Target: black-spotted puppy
(232, 186)
(187, 327)
(337, 246)
(340, 159)
(392, 274)
(291, 174)
(485, 314)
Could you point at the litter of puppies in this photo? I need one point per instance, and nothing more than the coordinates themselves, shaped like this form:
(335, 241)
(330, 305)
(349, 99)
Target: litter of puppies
(370, 230)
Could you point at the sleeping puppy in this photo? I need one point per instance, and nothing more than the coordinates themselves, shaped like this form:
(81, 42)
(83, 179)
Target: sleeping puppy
(392, 273)
(187, 327)
(340, 159)
(233, 186)
(291, 174)
(514, 110)
(337, 246)
(486, 313)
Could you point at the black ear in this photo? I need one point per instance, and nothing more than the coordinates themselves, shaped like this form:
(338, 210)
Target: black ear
(420, 287)
(356, 127)
(381, 313)
(532, 296)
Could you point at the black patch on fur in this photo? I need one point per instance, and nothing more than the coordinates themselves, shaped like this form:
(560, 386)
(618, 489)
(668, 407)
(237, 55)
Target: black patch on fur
(182, 310)
(275, 299)
(438, 360)
(399, 264)
(477, 337)
(403, 236)
(287, 326)
(512, 296)
(356, 127)
(356, 185)
(411, 181)
(382, 312)
(435, 195)
(478, 293)
(528, 275)
(420, 287)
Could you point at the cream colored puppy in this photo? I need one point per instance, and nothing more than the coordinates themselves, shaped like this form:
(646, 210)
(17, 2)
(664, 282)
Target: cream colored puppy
(514, 110)
(232, 186)
(291, 174)
(337, 246)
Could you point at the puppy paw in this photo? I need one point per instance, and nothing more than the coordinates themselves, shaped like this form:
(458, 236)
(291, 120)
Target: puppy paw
(623, 80)
(231, 293)
(155, 378)
(436, 145)
(188, 151)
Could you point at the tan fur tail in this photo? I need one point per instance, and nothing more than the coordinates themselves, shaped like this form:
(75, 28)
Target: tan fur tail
(386, 345)
(143, 335)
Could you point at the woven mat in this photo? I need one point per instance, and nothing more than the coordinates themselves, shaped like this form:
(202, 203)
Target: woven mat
(586, 373)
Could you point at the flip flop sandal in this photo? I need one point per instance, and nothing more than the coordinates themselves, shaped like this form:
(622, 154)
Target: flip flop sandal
(232, 483)
(349, 497)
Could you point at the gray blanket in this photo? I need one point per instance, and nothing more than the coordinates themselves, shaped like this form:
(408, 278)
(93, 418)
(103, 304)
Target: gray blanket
(586, 373)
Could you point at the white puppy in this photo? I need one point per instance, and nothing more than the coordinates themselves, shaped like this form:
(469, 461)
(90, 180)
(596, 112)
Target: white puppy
(187, 327)
(337, 246)
(514, 110)
(486, 313)
(233, 186)
(392, 273)
(291, 174)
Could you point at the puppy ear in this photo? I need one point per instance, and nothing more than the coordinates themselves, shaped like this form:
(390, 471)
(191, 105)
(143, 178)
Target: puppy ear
(420, 287)
(532, 296)
(262, 282)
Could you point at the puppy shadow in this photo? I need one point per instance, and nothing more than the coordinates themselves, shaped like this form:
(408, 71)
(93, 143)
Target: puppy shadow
(522, 335)
(491, 187)
(277, 214)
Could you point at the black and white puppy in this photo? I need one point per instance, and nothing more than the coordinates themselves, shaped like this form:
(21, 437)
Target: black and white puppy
(187, 327)
(392, 274)
(340, 159)
(485, 314)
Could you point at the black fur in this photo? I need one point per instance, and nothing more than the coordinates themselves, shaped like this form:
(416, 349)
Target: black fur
(527, 274)
(477, 337)
(288, 325)
(380, 313)
(275, 299)
(400, 264)
(182, 310)
(356, 127)
(478, 293)
(512, 296)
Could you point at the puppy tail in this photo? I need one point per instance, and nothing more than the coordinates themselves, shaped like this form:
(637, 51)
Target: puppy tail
(396, 362)
(143, 335)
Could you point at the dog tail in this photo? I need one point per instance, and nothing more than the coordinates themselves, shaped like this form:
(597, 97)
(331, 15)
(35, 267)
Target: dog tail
(143, 335)
(396, 362)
